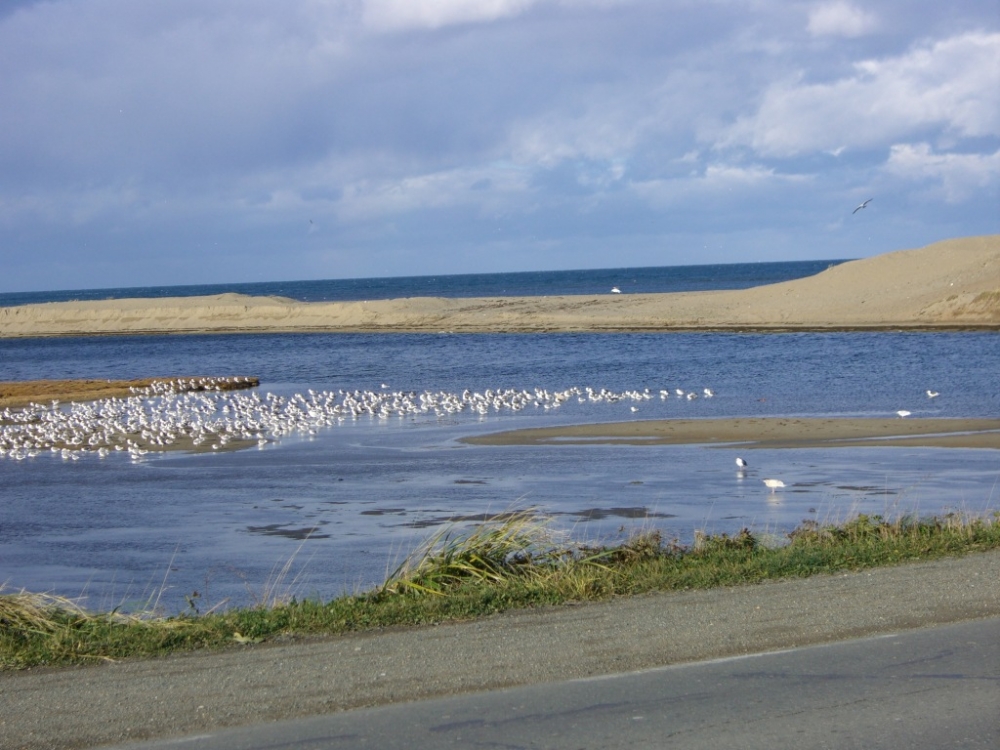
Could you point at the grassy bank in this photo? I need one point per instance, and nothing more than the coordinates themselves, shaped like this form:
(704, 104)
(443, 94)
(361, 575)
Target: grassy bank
(511, 563)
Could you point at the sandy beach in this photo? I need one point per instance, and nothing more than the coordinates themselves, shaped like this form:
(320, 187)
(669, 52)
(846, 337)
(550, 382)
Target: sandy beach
(946, 285)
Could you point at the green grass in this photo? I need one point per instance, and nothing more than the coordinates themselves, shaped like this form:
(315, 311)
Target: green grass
(512, 563)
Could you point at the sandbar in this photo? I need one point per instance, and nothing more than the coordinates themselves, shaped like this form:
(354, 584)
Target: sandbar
(953, 284)
(24, 392)
(749, 433)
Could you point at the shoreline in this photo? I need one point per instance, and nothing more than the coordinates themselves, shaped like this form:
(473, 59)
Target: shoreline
(945, 286)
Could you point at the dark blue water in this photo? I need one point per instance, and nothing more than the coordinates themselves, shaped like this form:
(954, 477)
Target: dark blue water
(800, 373)
(526, 284)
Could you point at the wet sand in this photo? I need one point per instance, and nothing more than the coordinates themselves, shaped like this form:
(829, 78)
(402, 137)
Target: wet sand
(764, 432)
(24, 392)
(953, 284)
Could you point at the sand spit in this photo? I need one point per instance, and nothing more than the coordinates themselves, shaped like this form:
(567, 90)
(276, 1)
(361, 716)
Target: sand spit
(950, 284)
(764, 432)
(24, 392)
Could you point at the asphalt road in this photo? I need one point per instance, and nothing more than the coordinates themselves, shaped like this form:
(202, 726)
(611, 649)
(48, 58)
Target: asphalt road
(924, 689)
(191, 694)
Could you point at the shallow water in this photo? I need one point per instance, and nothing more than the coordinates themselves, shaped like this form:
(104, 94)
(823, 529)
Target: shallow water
(347, 503)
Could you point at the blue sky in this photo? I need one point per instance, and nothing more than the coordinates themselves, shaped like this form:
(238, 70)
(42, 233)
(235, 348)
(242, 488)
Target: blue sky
(200, 141)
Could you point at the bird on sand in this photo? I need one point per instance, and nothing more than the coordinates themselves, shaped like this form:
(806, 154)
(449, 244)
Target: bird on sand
(741, 463)
(903, 413)
(773, 484)
(863, 205)
(615, 290)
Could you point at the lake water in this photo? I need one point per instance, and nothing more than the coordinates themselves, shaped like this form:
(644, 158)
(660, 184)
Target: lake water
(345, 504)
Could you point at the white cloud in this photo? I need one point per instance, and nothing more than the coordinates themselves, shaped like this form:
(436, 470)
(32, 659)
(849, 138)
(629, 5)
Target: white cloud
(840, 19)
(432, 14)
(952, 84)
(717, 180)
(398, 15)
(366, 199)
(959, 174)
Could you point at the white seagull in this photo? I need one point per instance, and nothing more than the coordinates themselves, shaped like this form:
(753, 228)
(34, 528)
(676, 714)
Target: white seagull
(741, 463)
(903, 413)
(932, 394)
(773, 484)
(863, 205)
(615, 290)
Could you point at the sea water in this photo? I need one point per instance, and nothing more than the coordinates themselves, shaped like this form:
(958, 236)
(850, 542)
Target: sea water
(345, 505)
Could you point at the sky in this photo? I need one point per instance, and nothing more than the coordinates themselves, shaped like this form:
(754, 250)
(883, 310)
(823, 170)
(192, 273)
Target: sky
(217, 141)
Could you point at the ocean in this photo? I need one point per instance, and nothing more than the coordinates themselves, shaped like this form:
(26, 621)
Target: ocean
(524, 284)
(347, 503)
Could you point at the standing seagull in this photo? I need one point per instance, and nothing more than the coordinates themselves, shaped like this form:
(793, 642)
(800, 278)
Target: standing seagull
(773, 484)
(741, 463)
(862, 206)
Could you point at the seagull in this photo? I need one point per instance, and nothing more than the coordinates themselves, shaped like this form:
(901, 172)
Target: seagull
(863, 205)
(932, 394)
(741, 463)
(903, 413)
(773, 484)
(615, 290)
(708, 393)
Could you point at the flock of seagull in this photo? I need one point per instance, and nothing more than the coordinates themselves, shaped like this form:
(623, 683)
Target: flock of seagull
(197, 414)
(206, 414)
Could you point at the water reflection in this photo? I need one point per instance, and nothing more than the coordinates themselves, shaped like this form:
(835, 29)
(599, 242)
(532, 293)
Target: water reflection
(347, 505)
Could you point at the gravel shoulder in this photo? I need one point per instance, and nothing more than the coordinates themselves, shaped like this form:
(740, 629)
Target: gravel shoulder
(190, 693)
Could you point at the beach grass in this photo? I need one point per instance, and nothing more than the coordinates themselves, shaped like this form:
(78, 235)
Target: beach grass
(509, 563)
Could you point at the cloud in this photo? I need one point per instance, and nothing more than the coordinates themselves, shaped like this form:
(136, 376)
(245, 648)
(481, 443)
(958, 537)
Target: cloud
(395, 15)
(731, 181)
(958, 174)
(840, 19)
(952, 85)
(367, 199)
(399, 15)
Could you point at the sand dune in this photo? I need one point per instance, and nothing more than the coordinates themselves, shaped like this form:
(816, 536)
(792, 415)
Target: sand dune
(950, 284)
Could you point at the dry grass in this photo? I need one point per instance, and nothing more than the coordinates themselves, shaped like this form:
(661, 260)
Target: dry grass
(511, 545)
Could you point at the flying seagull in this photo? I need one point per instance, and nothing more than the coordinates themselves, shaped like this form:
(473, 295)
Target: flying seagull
(862, 206)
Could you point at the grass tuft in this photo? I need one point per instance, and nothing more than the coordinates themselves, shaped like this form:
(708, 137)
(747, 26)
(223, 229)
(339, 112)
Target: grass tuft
(512, 546)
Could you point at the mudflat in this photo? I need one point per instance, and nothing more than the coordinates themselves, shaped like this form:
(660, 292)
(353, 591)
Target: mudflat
(764, 432)
(187, 694)
(946, 285)
(23, 392)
